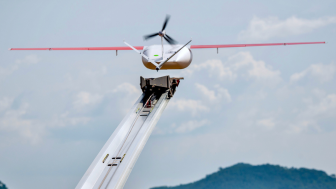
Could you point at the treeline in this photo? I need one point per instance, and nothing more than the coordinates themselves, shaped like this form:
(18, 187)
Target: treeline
(246, 176)
(3, 186)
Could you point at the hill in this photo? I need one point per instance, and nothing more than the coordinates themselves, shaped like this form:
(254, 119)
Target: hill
(2, 186)
(246, 176)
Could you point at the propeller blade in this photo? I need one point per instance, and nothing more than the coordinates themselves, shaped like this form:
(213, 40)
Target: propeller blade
(169, 40)
(150, 36)
(166, 39)
(172, 41)
(165, 22)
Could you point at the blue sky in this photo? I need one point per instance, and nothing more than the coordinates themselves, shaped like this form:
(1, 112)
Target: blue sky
(255, 105)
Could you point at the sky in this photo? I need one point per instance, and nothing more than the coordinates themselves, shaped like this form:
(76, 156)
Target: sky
(254, 105)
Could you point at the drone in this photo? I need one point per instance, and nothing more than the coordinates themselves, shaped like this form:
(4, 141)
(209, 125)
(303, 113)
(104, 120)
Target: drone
(167, 57)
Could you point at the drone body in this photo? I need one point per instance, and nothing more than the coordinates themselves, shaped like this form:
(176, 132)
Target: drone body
(180, 61)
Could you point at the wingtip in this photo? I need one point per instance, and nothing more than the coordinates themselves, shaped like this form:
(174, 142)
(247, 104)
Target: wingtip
(10, 49)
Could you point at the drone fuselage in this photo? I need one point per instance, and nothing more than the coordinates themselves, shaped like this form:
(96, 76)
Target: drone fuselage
(180, 61)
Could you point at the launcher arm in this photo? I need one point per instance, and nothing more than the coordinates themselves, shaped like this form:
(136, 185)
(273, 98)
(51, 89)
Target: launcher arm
(143, 55)
(163, 62)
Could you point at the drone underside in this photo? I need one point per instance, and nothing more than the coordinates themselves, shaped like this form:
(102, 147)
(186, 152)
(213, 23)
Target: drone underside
(180, 61)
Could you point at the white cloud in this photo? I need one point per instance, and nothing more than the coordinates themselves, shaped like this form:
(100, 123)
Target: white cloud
(256, 69)
(190, 126)
(322, 72)
(7, 71)
(310, 116)
(326, 107)
(263, 29)
(28, 60)
(215, 68)
(5, 103)
(214, 96)
(184, 127)
(13, 121)
(126, 88)
(66, 119)
(126, 94)
(85, 98)
(187, 105)
(238, 65)
(23, 125)
(19, 121)
(266, 123)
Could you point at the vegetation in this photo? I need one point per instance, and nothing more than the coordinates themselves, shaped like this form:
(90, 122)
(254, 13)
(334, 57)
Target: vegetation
(246, 176)
(3, 186)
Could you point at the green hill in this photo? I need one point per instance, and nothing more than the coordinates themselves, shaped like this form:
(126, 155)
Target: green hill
(246, 176)
(2, 186)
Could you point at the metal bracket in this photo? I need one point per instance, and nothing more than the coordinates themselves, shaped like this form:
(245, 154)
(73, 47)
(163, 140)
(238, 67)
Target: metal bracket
(163, 62)
(143, 55)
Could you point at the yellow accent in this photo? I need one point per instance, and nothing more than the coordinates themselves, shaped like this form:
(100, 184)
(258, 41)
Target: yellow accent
(167, 65)
(105, 157)
(122, 158)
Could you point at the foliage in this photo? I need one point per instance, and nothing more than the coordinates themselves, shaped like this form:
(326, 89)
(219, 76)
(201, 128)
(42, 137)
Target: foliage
(246, 176)
(3, 186)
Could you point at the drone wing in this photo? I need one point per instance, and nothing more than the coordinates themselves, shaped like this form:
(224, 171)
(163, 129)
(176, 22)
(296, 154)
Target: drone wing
(251, 45)
(192, 46)
(82, 48)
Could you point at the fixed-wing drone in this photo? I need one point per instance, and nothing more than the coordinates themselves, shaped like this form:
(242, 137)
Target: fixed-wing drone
(172, 56)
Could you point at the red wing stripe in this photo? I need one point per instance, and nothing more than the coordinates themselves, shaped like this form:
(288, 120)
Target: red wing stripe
(251, 45)
(82, 48)
(192, 46)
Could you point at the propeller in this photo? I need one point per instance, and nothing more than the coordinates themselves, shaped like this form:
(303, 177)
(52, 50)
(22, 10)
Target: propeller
(162, 33)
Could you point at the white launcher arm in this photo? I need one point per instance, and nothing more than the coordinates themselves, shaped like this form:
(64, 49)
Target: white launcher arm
(143, 55)
(161, 63)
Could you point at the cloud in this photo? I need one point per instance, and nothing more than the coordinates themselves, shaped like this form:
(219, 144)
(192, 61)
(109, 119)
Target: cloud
(187, 105)
(85, 99)
(20, 122)
(310, 116)
(266, 123)
(241, 64)
(190, 126)
(263, 29)
(5, 103)
(296, 128)
(256, 69)
(28, 60)
(214, 96)
(326, 107)
(65, 119)
(185, 127)
(126, 94)
(13, 121)
(126, 88)
(9, 70)
(24, 125)
(322, 72)
(215, 68)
